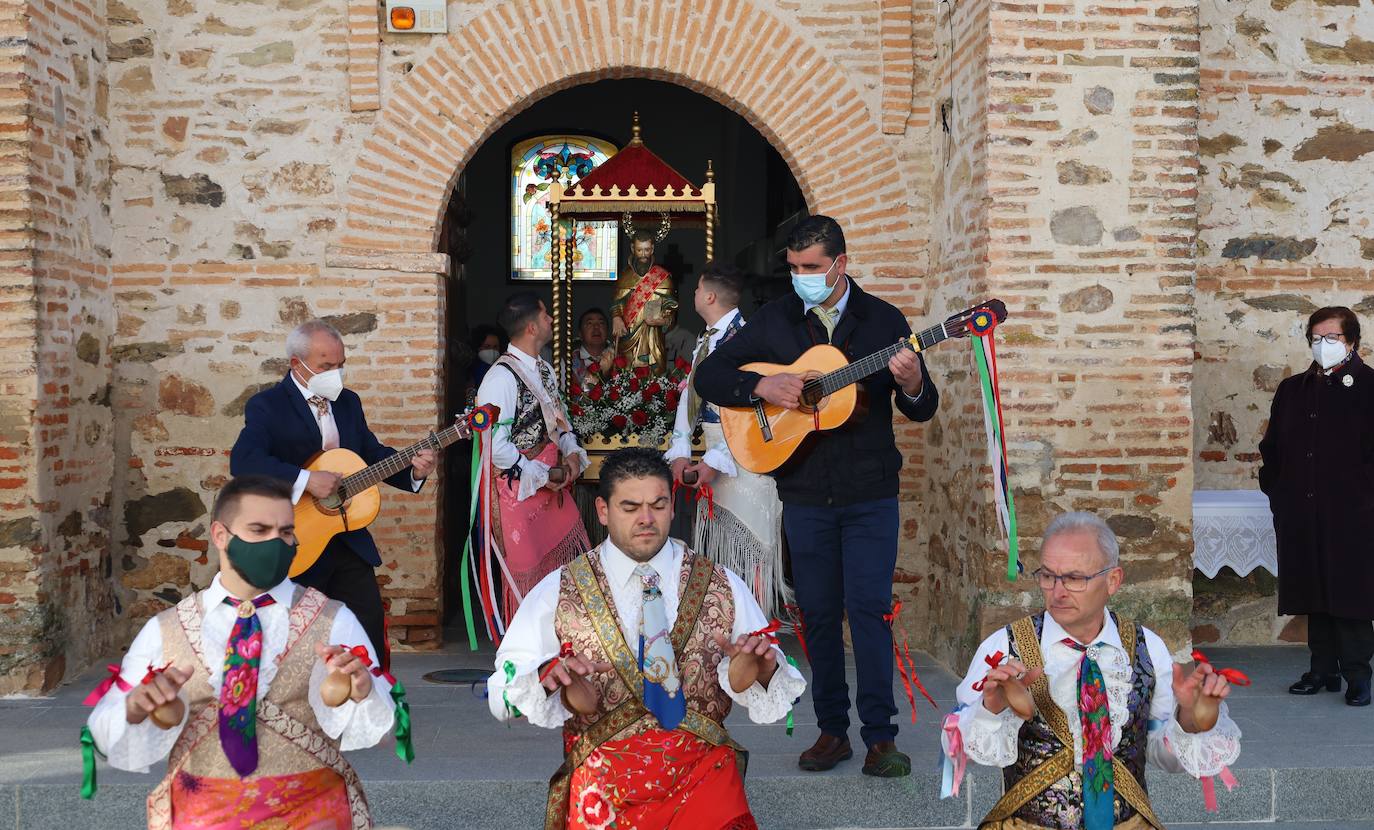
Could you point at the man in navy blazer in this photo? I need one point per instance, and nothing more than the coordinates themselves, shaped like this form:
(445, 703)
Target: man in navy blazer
(288, 424)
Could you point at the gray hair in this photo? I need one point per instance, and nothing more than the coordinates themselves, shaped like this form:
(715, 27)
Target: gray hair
(1078, 522)
(298, 341)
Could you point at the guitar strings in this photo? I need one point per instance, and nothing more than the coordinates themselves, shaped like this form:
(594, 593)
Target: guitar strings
(850, 373)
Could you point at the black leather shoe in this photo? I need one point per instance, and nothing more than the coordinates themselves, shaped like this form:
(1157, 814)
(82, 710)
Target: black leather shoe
(825, 753)
(1358, 694)
(1311, 683)
(885, 761)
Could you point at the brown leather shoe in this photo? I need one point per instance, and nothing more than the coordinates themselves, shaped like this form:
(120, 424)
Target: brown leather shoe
(825, 753)
(885, 761)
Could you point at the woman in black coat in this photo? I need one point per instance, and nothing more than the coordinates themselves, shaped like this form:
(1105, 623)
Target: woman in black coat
(1318, 471)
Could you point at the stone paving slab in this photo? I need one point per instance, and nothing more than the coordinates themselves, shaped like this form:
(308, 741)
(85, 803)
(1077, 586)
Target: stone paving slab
(1305, 762)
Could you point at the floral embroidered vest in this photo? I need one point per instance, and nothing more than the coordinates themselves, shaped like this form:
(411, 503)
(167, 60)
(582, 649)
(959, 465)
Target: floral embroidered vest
(1059, 803)
(527, 430)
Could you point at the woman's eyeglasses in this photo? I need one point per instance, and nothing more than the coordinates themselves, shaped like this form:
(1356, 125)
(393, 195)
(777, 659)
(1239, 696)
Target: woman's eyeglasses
(1330, 338)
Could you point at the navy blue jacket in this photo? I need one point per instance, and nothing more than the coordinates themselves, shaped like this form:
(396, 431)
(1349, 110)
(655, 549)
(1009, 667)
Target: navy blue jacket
(859, 461)
(280, 435)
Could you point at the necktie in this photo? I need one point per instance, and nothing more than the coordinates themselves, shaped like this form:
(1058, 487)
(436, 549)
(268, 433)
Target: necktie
(693, 399)
(321, 405)
(546, 377)
(1093, 716)
(656, 659)
(828, 317)
(238, 695)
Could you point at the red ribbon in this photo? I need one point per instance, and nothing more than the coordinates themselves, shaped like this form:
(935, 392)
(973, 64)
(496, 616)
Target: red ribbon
(154, 672)
(801, 628)
(993, 660)
(767, 631)
(565, 651)
(113, 680)
(1235, 677)
(906, 667)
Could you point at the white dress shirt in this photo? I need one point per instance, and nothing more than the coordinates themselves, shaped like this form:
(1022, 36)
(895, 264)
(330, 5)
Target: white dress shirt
(717, 456)
(992, 739)
(329, 439)
(500, 387)
(135, 747)
(531, 640)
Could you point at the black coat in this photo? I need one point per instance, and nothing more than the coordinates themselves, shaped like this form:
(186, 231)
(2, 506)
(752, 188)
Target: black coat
(1318, 472)
(859, 461)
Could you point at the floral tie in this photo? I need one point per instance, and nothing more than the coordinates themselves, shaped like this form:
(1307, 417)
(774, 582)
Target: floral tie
(1098, 788)
(693, 399)
(238, 694)
(656, 658)
(321, 405)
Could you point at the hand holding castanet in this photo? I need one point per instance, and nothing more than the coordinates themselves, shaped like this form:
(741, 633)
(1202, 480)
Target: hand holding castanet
(568, 673)
(347, 676)
(752, 660)
(1199, 694)
(1007, 686)
(158, 697)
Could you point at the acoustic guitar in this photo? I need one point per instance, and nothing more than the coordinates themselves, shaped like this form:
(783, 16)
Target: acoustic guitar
(357, 500)
(762, 437)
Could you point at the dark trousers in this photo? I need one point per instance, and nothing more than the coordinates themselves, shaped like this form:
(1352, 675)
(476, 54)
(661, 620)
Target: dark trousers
(1341, 645)
(842, 563)
(341, 574)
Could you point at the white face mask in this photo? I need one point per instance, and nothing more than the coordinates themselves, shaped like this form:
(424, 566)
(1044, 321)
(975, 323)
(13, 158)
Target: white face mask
(488, 356)
(327, 385)
(1328, 354)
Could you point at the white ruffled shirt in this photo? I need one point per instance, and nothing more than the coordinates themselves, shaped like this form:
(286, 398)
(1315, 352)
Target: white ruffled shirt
(135, 747)
(717, 456)
(531, 640)
(992, 739)
(500, 387)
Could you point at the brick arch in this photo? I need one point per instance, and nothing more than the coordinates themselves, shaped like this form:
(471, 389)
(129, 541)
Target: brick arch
(743, 57)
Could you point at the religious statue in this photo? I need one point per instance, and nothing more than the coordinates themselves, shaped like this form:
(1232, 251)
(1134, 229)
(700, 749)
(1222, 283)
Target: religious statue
(645, 301)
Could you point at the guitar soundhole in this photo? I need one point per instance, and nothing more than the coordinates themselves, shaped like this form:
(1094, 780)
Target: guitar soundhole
(331, 503)
(811, 395)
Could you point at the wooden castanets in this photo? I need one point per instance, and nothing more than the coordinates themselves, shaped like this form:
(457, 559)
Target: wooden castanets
(336, 689)
(580, 697)
(557, 474)
(169, 714)
(689, 477)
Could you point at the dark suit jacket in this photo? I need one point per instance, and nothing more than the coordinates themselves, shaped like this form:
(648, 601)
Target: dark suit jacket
(280, 434)
(859, 461)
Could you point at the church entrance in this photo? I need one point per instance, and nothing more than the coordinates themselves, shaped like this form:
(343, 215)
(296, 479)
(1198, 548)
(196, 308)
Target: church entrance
(496, 222)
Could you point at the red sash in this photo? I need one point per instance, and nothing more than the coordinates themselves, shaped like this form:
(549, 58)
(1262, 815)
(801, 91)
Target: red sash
(642, 293)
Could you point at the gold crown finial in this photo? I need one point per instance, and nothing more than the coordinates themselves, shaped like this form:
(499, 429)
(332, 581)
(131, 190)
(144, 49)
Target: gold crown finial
(710, 171)
(634, 130)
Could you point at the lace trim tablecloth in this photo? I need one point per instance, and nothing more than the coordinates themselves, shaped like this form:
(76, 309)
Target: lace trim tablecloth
(1233, 528)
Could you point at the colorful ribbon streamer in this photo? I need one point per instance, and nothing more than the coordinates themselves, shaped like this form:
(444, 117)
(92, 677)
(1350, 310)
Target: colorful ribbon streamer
(1235, 677)
(405, 746)
(953, 761)
(511, 712)
(768, 631)
(792, 663)
(564, 651)
(796, 612)
(100, 691)
(982, 324)
(482, 420)
(906, 667)
(697, 493)
(88, 753)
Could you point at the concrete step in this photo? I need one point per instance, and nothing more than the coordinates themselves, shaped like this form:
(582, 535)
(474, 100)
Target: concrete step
(1305, 761)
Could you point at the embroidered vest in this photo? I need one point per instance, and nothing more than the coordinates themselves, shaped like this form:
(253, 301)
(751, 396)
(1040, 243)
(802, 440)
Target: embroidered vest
(527, 430)
(289, 737)
(1044, 787)
(587, 619)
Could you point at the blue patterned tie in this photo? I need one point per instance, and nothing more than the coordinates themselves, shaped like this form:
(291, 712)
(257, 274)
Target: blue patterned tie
(662, 691)
(1093, 716)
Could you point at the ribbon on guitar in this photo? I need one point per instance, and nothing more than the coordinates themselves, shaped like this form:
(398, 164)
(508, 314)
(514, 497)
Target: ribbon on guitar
(981, 325)
(906, 667)
(482, 420)
(104, 686)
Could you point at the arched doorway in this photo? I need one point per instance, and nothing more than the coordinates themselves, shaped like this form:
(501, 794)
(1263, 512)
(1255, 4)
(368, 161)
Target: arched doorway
(757, 195)
(818, 117)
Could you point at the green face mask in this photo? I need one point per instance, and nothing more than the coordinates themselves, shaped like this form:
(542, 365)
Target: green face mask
(261, 564)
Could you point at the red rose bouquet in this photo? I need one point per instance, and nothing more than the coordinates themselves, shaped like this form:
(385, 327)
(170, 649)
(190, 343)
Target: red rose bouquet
(627, 401)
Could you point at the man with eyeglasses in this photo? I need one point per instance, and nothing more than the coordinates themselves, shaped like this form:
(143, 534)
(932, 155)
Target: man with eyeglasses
(1107, 696)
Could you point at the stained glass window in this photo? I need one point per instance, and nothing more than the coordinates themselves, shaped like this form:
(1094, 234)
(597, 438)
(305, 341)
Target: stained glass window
(536, 165)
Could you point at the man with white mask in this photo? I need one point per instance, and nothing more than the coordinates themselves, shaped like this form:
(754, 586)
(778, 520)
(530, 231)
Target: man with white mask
(1318, 471)
(839, 494)
(288, 424)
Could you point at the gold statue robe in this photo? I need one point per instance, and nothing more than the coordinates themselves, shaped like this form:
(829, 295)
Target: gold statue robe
(639, 300)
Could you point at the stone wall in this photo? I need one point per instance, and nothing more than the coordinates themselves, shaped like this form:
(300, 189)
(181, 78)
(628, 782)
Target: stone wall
(55, 597)
(1287, 207)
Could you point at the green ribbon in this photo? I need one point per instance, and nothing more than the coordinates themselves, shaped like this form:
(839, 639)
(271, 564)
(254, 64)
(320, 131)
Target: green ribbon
(513, 712)
(466, 572)
(793, 663)
(405, 746)
(993, 408)
(88, 753)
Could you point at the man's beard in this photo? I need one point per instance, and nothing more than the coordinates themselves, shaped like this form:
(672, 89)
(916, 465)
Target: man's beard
(641, 266)
(637, 548)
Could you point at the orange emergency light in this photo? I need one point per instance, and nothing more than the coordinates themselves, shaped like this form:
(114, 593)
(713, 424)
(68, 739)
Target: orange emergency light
(402, 18)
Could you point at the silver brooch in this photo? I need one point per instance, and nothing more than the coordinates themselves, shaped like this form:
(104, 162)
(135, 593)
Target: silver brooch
(1348, 380)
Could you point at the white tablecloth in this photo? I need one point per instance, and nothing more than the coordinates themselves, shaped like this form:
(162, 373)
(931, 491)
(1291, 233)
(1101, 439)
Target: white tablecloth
(1233, 528)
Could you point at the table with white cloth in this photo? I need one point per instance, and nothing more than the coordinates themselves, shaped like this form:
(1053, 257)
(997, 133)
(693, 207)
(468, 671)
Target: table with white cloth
(1233, 528)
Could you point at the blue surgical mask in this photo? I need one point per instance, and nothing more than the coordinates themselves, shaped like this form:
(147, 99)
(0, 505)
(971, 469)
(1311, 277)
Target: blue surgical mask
(812, 288)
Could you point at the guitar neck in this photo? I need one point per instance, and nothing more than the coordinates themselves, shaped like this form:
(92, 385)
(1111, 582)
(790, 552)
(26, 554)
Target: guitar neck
(393, 464)
(862, 368)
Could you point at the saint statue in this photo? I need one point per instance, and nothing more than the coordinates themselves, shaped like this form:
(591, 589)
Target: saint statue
(645, 303)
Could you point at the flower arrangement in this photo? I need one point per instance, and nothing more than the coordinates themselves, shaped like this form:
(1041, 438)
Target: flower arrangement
(624, 401)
